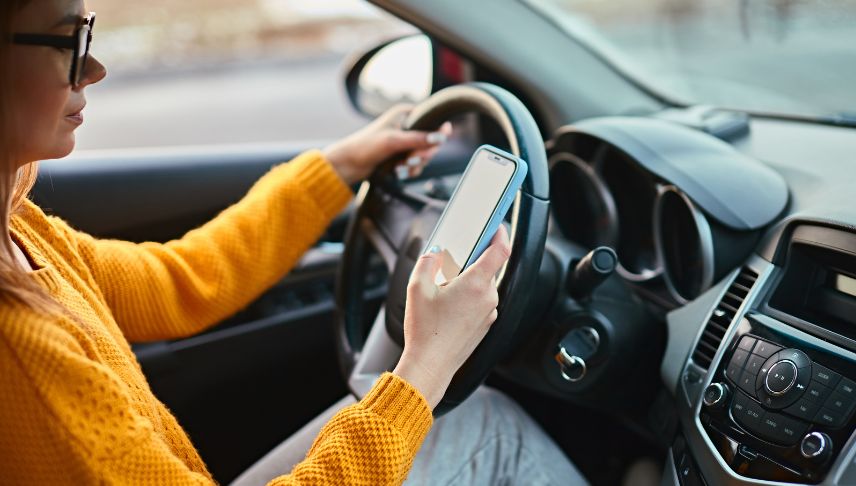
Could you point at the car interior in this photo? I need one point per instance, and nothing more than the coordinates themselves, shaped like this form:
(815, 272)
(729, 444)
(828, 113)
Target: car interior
(681, 291)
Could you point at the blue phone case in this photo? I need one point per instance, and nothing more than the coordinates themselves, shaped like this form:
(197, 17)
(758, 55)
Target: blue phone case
(505, 202)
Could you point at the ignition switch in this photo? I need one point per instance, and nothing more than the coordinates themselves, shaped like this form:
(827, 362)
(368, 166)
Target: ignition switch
(575, 348)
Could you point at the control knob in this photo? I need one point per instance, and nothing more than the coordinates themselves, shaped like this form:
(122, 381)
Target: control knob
(816, 446)
(716, 395)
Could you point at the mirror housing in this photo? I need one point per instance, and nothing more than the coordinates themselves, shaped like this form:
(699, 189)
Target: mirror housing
(400, 70)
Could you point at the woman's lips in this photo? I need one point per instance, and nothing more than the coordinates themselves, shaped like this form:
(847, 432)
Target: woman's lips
(76, 118)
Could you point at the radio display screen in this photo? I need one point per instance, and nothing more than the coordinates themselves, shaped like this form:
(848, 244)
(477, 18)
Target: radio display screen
(817, 287)
(845, 284)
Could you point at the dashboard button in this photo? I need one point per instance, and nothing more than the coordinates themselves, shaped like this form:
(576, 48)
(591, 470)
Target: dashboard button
(803, 380)
(747, 383)
(779, 402)
(840, 403)
(829, 417)
(768, 427)
(780, 429)
(763, 373)
(689, 476)
(739, 357)
(747, 343)
(745, 411)
(765, 349)
(846, 388)
(753, 364)
(824, 375)
(817, 392)
(804, 409)
(780, 378)
(792, 430)
(733, 372)
(800, 359)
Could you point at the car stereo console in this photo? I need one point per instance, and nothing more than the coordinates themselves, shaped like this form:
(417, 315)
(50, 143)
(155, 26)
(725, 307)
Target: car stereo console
(770, 385)
(778, 409)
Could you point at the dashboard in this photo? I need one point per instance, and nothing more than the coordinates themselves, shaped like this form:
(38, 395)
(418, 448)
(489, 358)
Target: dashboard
(681, 208)
(748, 248)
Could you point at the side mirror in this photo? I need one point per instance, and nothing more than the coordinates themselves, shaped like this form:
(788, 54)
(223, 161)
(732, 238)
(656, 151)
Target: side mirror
(397, 71)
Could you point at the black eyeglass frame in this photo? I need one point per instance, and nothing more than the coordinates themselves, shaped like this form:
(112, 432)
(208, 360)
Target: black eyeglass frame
(72, 42)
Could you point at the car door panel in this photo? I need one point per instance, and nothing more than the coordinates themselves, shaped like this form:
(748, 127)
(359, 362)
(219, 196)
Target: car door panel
(153, 194)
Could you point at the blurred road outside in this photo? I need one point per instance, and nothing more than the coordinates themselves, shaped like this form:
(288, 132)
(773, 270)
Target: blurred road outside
(226, 71)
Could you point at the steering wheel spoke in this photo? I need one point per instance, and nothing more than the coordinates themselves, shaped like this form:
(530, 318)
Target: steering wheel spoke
(380, 353)
(390, 213)
(381, 244)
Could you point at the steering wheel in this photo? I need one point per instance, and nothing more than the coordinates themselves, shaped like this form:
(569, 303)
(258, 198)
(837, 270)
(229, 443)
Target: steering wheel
(396, 224)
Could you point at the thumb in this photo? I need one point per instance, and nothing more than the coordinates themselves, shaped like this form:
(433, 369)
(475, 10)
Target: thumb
(489, 263)
(425, 271)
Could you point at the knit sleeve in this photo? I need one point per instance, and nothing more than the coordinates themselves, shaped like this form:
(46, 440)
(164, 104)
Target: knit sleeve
(176, 289)
(67, 419)
(371, 442)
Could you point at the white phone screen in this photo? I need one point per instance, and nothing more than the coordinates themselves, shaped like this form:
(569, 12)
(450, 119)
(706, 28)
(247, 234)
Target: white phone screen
(466, 215)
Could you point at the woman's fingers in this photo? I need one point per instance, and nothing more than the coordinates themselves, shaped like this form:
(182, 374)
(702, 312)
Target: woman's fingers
(423, 150)
(417, 161)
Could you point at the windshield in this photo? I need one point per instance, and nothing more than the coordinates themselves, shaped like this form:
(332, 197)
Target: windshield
(791, 57)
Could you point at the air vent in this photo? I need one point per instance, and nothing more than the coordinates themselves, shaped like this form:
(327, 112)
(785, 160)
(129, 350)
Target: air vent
(722, 316)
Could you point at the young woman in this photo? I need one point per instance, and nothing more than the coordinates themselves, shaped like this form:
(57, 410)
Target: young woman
(75, 407)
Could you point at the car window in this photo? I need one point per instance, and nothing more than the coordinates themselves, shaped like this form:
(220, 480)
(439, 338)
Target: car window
(791, 57)
(198, 72)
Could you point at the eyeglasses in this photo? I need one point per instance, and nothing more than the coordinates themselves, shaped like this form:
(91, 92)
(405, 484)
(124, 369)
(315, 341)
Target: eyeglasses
(79, 43)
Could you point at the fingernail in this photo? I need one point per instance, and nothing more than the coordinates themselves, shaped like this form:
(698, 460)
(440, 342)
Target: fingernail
(434, 249)
(402, 171)
(414, 161)
(436, 138)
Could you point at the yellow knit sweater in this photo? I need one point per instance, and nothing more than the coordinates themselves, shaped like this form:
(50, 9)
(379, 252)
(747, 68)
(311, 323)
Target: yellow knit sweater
(75, 407)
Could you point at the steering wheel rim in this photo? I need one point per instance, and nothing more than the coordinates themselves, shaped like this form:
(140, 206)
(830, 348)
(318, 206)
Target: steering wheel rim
(395, 224)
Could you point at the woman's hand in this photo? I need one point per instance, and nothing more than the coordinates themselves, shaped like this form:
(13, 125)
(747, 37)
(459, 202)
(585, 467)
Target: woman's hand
(356, 156)
(444, 324)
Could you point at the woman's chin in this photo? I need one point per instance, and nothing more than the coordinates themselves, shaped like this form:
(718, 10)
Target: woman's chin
(64, 147)
(56, 148)
(57, 151)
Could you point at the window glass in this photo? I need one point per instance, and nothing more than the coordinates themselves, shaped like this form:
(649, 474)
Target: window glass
(792, 57)
(204, 72)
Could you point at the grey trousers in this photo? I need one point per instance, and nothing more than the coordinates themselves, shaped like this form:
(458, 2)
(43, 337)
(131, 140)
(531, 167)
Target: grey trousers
(487, 440)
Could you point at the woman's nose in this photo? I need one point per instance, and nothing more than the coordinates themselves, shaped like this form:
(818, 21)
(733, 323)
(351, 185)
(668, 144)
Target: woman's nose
(95, 72)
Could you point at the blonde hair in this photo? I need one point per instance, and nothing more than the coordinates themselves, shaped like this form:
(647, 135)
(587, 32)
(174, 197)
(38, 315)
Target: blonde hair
(15, 183)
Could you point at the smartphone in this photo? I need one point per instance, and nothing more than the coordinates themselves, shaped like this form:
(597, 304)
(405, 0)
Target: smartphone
(478, 205)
